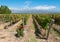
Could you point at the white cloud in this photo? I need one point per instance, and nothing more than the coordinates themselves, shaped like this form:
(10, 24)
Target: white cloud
(35, 8)
(27, 3)
(26, 6)
(14, 8)
(44, 7)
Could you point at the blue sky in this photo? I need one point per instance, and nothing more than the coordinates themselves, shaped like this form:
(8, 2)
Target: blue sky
(21, 5)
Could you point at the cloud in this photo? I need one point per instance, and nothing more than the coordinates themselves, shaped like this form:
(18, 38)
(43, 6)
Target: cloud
(25, 6)
(44, 7)
(27, 3)
(14, 8)
(39, 7)
(35, 8)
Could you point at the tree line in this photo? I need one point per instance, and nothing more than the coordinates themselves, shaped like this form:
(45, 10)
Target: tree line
(4, 10)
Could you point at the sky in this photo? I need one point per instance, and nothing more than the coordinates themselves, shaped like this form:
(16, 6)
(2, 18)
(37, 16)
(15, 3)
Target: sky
(32, 5)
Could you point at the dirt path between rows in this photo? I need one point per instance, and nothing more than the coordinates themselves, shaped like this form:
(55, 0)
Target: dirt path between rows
(8, 35)
(29, 32)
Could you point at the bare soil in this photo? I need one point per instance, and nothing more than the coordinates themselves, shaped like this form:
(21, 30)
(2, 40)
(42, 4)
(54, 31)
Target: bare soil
(8, 35)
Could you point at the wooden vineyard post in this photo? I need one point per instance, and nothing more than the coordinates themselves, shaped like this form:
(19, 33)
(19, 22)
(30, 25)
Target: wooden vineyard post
(50, 26)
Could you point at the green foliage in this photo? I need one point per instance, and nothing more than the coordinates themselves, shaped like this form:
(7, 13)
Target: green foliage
(43, 20)
(4, 10)
(26, 16)
(13, 18)
(19, 32)
(10, 17)
(57, 19)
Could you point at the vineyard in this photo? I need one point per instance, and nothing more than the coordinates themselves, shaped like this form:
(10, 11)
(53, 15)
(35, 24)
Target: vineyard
(45, 19)
(35, 27)
(12, 18)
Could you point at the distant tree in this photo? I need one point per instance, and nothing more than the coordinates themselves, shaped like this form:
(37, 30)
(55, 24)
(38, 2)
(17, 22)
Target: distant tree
(4, 10)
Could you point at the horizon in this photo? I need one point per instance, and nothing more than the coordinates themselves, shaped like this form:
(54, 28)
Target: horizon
(32, 6)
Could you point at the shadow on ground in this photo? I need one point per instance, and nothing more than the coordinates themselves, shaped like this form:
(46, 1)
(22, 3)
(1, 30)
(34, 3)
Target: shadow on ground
(37, 32)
